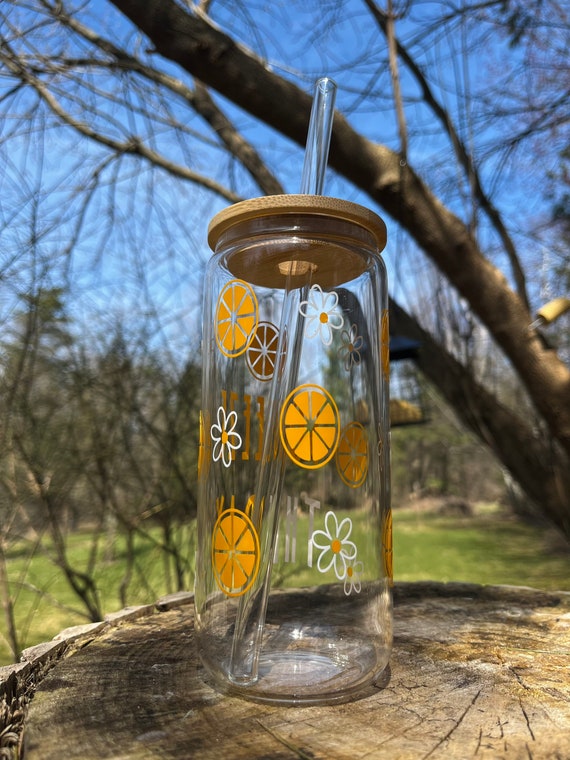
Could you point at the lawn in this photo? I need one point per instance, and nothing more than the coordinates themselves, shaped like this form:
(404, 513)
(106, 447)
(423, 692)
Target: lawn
(488, 547)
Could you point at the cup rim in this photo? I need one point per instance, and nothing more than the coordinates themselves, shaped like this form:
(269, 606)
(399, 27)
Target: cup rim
(304, 205)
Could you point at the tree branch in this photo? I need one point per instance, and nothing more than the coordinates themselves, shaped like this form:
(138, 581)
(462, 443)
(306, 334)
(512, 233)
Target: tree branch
(461, 152)
(133, 145)
(393, 58)
(213, 57)
(198, 99)
(544, 472)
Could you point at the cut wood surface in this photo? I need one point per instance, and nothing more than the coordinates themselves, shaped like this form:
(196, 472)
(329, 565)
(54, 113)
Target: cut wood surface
(476, 672)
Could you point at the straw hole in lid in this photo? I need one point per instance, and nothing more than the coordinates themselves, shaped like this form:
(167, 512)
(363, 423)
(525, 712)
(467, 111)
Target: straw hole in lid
(296, 268)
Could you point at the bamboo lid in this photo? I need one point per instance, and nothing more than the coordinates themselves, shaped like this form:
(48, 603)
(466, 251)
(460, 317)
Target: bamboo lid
(310, 205)
(324, 259)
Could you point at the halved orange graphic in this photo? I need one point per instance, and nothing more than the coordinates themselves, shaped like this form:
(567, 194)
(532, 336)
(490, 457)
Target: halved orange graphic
(309, 426)
(352, 455)
(201, 445)
(236, 317)
(262, 351)
(387, 546)
(235, 552)
(204, 445)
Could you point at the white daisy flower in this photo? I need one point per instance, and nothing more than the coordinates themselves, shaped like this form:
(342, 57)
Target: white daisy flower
(224, 436)
(352, 579)
(322, 314)
(351, 346)
(336, 550)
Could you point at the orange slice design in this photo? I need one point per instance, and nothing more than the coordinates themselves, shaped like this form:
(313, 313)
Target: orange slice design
(236, 318)
(352, 455)
(309, 426)
(204, 445)
(201, 445)
(262, 351)
(235, 552)
(387, 546)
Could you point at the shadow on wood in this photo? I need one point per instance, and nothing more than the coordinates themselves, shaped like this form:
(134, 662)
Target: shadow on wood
(476, 672)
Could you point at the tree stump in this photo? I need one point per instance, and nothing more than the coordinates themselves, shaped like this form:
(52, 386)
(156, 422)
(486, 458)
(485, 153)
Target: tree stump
(476, 672)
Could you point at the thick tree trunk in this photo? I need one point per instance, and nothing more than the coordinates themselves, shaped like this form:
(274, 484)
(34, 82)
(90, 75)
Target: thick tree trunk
(211, 56)
(538, 464)
(476, 672)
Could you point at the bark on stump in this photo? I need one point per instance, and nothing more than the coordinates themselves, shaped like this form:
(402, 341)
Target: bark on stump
(476, 672)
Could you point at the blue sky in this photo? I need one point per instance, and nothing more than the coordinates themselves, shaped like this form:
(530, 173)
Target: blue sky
(151, 256)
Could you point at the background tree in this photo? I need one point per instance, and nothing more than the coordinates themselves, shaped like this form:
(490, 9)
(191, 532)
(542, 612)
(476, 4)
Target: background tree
(99, 436)
(446, 141)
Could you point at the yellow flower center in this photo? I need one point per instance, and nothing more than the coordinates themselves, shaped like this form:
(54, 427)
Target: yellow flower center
(349, 572)
(336, 546)
(324, 317)
(224, 437)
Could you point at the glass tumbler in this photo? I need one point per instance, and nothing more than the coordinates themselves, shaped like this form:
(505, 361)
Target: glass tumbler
(294, 561)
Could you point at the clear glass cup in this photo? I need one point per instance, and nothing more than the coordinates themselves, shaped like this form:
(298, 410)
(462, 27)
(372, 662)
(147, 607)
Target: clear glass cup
(294, 565)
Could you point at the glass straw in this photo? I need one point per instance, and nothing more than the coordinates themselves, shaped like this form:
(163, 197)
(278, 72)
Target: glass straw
(251, 611)
(319, 137)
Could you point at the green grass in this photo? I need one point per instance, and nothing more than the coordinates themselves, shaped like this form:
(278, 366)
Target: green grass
(488, 548)
(44, 602)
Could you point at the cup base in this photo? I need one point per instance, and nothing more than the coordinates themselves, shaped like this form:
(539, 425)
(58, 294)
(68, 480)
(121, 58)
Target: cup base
(318, 647)
(311, 677)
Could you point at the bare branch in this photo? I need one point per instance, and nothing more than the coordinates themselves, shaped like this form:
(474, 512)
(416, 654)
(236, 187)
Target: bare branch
(132, 146)
(461, 153)
(236, 144)
(198, 99)
(393, 58)
(213, 57)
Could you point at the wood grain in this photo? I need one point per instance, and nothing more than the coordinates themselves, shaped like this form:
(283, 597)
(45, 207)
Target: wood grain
(476, 672)
(289, 241)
